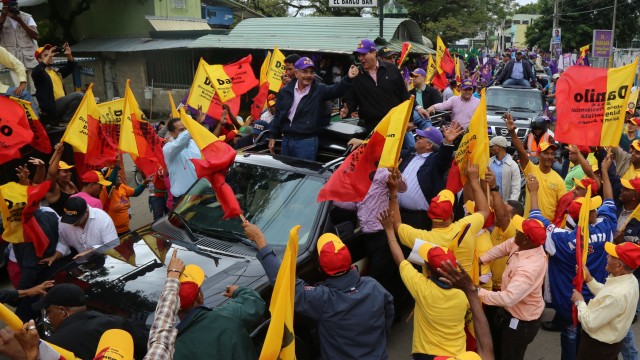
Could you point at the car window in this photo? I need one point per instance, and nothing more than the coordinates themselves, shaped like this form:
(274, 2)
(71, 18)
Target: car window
(273, 199)
(506, 98)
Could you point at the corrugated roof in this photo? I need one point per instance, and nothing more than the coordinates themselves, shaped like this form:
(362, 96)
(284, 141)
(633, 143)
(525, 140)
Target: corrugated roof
(177, 24)
(316, 34)
(129, 44)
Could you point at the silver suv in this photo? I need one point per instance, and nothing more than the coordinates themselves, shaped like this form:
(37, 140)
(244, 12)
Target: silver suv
(523, 103)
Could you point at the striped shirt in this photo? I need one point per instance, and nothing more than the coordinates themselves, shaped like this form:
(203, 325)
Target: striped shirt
(413, 198)
(163, 332)
(461, 111)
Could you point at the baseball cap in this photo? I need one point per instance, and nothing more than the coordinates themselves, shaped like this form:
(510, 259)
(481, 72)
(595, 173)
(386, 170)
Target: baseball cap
(436, 255)
(260, 126)
(533, 229)
(634, 121)
(500, 141)
(303, 63)
(41, 49)
(636, 144)
(587, 181)
(555, 76)
(633, 184)
(334, 257)
(64, 166)
(627, 252)
(74, 208)
(466, 84)
(419, 72)
(271, 100)
(432, 134)
(95, 177)
(545, 145)
(384, 52)
(190, 281)
(115, 344)
(469, 355)
(69, 295)
(365, 46)
(441, 206)
(576, 205)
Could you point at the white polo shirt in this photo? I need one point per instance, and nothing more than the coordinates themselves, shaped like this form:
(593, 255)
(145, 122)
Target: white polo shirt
(98, 231)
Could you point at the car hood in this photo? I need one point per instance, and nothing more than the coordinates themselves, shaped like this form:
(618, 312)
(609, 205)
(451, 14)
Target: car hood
(522, 119)
(132, 275)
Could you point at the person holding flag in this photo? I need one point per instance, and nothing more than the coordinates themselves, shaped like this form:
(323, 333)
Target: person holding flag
(562, 250)
(344, 302)
(627, 164)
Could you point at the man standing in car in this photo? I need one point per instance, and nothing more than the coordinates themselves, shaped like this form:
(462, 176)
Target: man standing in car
(518, 71)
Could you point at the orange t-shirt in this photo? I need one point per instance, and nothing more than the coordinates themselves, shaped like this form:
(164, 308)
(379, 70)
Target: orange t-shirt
(119, 205)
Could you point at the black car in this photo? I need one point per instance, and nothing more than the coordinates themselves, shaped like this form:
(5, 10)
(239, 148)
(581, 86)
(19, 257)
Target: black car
(275, 193)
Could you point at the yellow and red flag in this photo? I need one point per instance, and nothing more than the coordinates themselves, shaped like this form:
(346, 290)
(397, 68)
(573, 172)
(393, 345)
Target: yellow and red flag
(233, 79)
(217, 157)
(457, 65)
(591, 104)
(474, 148)
(18, 203)
(174, 110)
(431, 69)
(15, 131)
(582, 247)
(279, 342)
(633, 100)
(276, 70)
(583, 55)
(40, 140)
(351, 181)
(444, 62)
(406, 48)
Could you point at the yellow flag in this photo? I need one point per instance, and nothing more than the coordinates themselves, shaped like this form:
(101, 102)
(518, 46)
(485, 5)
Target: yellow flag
(264, 69)
(221, 82)
(440, 48)
(583, 222)
(474, 146)
(280, 340)
(77, 132)
(200, 135)
(613, 121)
(393, 127)
(13, 199)
(431, 69)
(127, 142)
(276, 70)
(584, 49)
(633, 99)
(111, 111)
(202, 89)
(174, 111)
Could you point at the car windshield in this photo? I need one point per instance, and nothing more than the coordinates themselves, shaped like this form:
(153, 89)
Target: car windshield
(273, 199)
(508, 99)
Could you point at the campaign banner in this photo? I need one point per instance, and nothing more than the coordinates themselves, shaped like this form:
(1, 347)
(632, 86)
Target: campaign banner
(591, 104)
(602, 43)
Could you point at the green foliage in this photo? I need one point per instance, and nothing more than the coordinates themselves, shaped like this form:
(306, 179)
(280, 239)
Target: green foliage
(578, 19)
(531, 8)
(268, 8)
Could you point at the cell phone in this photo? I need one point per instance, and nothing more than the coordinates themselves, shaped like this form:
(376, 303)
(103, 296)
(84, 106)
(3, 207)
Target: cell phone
(354, 60)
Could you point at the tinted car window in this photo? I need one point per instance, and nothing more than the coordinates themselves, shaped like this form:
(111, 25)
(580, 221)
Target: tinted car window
(508, 98)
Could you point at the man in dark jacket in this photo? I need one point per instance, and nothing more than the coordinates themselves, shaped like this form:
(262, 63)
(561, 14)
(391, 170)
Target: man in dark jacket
(299, 110)
(220, 333)
(354, 314)
(425, 173)
(77, 329)
(425, 95)
(54, 104)
(518, 71)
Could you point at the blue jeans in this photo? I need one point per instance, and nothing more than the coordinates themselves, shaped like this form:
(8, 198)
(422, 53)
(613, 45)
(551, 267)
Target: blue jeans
(26, 96)
(158, 206)
(569, 338)
(629, 350)
(420, 122)
(303, 148)
(521, 82)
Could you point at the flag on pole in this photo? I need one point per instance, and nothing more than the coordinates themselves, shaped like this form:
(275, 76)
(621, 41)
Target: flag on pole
(582, 247)
(40, 140)
(633, 100)
(406, 48)
(431, 69)
(591, 104)
(15, 131)
(279, 342)
(276, 70)
(583, 59)
(444, 62)
(174, 110)
(127, 141)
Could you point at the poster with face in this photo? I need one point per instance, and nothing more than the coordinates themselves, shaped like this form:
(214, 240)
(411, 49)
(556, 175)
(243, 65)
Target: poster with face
(556, 36)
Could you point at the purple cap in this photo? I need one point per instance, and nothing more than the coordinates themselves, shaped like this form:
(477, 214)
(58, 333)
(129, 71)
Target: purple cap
(303, 63)
(420, 72)
(432, 134)
(466, 84)
(365, 46)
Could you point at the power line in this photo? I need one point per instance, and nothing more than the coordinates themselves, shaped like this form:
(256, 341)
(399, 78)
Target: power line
(587, 11)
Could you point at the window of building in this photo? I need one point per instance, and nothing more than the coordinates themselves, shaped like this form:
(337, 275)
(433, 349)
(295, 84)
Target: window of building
(516, 22)
(179, 4)
(525, 22)
(170, 69)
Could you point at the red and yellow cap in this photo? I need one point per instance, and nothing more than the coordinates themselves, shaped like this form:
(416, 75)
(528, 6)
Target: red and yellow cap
(115, 344)
(585, 182)
(41, 49)
(533, 229)
(633, 184)
(190, 281)
(636, 145)
(64, 166)
(441, 206)
(545, 145)
(576, 205)
(333, 255)
(469, 355)
(627, 252)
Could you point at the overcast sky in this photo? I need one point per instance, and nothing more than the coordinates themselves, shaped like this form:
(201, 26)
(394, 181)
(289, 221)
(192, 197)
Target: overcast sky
(522, 2)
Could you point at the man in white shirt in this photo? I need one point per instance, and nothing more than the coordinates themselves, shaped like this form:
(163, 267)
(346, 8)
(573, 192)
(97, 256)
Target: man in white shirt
(82, 228)
(507, 172)
(178, 154)
(606, 319)
(448, 92)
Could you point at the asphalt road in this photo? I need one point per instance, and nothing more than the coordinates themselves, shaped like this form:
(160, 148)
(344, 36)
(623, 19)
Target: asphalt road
(545, 346)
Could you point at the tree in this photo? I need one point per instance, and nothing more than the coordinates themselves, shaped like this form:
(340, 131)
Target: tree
(268, 8)
(579, 18)
(273, 8)
(531, 8)
(63, 14)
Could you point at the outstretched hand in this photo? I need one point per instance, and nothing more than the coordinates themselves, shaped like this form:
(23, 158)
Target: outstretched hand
(386, 219)
(452, 131)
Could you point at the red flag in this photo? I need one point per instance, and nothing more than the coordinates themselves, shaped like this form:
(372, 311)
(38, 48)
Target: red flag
(241, 74)
(259, 100)
(447, 64)
(215, 108)
(454, 180)
(15, 131)
(440, 81)
(101, 150)
(406, 47)
(150, 155)
(31, 229)
(40, 140)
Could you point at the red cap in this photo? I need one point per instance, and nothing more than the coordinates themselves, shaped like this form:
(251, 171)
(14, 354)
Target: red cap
(533, 229)
(576, 205)
(95, 177)
(634, 120)
(627, 252)
(586, 182)
(441, 206)
(333, 255)
(437, 255)
(41, 49)
(633, 184)
(585, 150)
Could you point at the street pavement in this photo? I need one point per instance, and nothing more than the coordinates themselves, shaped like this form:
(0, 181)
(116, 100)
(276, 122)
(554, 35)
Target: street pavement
(546, 345)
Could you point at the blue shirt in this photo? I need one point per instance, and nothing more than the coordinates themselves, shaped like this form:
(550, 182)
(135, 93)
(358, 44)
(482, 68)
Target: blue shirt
(178, 154)
(517, 72)
(496, 168)
(561, 245)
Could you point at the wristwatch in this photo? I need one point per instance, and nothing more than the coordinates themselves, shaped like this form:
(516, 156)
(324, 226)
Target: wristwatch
(495, 188)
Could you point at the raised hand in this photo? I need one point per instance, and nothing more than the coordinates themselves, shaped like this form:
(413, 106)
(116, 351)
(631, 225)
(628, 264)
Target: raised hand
(386, 219)
(532, 183)
(472, 172)
(452, 131)
(509, 122)
(457, 278)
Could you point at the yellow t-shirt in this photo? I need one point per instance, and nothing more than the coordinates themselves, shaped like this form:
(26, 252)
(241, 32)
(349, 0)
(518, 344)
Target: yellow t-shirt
(444, 237)
(483, 245)
(56, 80)
(551, 190)
(498, 265)
(438, 321)
(631, 173)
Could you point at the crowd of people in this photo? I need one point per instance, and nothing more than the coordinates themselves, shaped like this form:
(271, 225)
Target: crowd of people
(474, 269)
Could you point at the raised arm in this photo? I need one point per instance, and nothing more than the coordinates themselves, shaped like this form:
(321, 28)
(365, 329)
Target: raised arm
(480, 198)
(533, 186)
(503, 218)
(607, 190)
(394, 207)
(387, 222)
(515, 140)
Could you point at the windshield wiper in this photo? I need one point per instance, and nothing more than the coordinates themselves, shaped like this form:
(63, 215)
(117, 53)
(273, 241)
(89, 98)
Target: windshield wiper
(497, 107)
(228, 235)
(519, 108)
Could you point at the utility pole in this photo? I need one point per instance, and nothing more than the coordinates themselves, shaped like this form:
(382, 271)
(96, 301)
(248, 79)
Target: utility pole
(613, 32)
(556, 17)
(381, 17)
